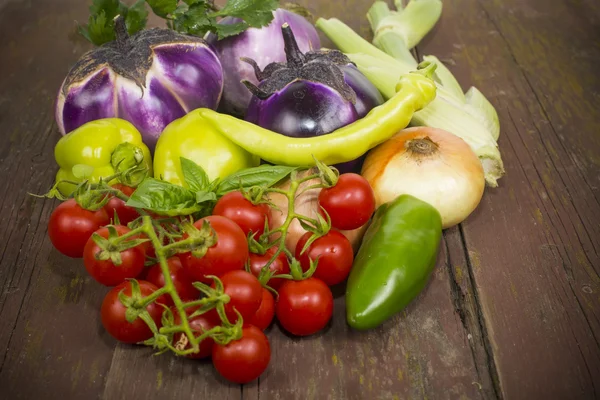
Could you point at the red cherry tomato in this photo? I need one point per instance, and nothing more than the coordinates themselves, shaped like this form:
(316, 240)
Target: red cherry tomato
(126, 214)
(280, 266)
(105, 271)
(245, 293)
(304, 307)
(70, 226)
(228, 254)
(250, 217)
(334, 253)
(113, 314)
(350, 203)
(244, 360)
(265, 313)
(183, 284)
(199, 325)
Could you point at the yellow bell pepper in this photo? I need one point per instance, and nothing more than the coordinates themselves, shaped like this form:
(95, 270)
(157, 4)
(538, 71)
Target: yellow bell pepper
(100, 149)
(196, 139)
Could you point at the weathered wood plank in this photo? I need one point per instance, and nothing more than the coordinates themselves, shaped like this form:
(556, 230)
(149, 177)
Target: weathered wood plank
(533, 242)
(532, 259)
(469, 310)
(423, 353)
(135, 371)
(50, 338)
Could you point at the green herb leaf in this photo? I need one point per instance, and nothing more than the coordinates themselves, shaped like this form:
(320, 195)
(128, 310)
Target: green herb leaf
(264, 175)
(98, 30)
(100, 27)
(164, 198)
(226, 30)
(193, 20)
(203, 196)
(137, 17)
(194, 175)
(197, 18)
(163, 8)
(255, 13)
(109, 7)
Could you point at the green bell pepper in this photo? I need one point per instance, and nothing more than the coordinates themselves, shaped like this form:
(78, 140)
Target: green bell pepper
(100, 149)
(395, 260)
(195, 138)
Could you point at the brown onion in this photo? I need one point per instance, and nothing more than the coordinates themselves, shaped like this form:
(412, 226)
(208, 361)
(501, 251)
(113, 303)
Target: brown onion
(306, 204)
(430, 164)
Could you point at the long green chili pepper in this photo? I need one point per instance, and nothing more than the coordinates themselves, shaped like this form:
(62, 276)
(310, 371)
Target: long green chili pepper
(414, 91)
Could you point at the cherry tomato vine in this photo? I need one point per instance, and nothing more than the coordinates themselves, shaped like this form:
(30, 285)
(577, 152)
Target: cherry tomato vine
(217, 298)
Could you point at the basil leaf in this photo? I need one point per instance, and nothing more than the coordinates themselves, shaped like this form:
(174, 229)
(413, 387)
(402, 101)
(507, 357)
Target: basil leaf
(164, 198)
(202, 196)
(264, 175)
(194, 175)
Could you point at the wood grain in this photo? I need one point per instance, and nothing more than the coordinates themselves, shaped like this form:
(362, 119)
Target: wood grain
(533, 242)
(50, 336)
(512, 310)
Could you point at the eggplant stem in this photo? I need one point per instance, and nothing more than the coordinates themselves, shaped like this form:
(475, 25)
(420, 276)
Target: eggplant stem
(121, 34)
(293, 54)
(255, 90)
(259, 74)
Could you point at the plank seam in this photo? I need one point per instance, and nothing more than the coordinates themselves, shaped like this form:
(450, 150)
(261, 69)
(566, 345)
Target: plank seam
(492, 367)
(458, 301)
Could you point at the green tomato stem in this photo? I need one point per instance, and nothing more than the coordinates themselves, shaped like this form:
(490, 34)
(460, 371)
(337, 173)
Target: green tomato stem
(169, 288)
(171, 329)
(142, 303)
(290, 194)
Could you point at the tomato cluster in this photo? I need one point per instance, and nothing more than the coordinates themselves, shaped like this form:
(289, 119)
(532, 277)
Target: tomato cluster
(303, 303)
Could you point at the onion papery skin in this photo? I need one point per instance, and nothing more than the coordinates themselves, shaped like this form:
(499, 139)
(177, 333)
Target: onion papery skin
(450, 178)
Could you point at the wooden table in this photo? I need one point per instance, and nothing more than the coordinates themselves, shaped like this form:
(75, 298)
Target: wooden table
(512, 310)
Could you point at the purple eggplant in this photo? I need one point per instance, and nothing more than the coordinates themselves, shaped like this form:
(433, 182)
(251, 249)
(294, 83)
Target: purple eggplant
(311, 94)
(264, 46)
(149, 79)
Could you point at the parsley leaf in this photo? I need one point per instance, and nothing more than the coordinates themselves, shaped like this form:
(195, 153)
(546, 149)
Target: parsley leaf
(192, 17)
(255, 13)
(98, 29)
(136, 17)
(225, 30)
(163, 8)
(109, 7)
(101, 26)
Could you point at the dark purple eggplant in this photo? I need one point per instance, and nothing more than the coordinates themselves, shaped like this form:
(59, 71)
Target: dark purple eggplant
(311, 94)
